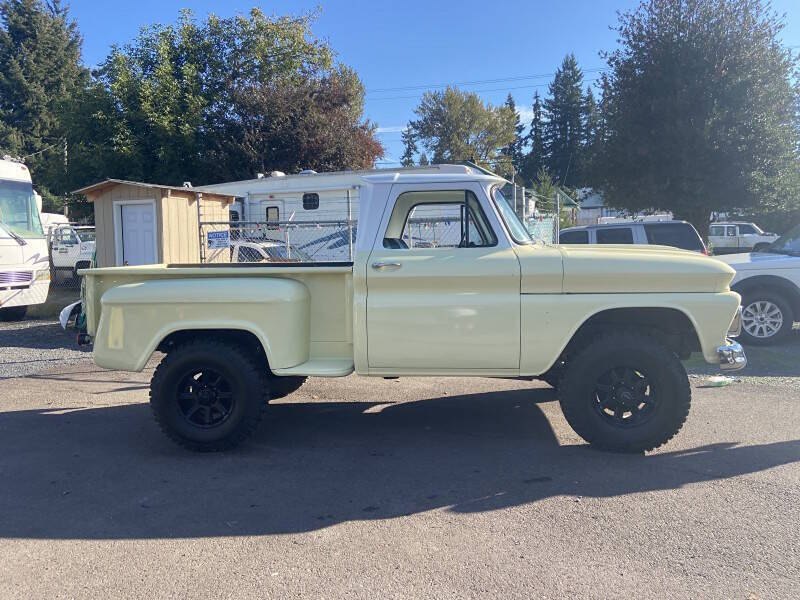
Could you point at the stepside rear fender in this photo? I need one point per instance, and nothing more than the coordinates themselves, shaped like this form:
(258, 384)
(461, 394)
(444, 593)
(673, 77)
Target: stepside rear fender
(136, 317)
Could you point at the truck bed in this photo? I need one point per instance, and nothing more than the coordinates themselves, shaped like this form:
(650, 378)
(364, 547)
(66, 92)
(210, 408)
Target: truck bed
(329, 313)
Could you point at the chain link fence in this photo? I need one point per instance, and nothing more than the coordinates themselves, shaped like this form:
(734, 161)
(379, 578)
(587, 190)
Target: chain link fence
(542, 227)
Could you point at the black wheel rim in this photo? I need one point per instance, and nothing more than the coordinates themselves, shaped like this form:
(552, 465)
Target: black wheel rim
(205, 398)
(624, 397)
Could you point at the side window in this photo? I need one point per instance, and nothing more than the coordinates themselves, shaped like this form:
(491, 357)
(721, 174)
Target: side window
(716, 230)
(574, 237)
(310, 201)
(614, 235)
(743, 229)
(677, 235)
(273, 213)
(731, 231)
(441, 219)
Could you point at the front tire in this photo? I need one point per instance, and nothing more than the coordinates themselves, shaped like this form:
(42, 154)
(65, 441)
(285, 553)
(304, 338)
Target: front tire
(625, 392)
(209, 395)
(13, 313)
(767, 318)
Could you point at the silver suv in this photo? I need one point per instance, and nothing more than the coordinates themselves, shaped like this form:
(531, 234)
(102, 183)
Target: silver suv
(678, 234)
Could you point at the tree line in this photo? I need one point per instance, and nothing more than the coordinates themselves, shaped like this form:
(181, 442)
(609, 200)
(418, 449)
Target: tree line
(696, 113)
(192, 101)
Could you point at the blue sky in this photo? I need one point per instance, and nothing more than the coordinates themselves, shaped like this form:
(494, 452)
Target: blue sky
(418, 44)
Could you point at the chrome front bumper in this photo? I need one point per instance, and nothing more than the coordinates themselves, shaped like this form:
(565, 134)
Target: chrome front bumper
(731, 356)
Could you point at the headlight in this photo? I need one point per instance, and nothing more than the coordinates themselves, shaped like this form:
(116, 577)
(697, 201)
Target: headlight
(43, 275)
(736, 325)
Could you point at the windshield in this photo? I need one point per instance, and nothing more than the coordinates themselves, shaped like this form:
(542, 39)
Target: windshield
(18, 211)
(515, 227)
(788, 243)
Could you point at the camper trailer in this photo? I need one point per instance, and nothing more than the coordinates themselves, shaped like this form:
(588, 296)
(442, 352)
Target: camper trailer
(24, 261)
(316, 213)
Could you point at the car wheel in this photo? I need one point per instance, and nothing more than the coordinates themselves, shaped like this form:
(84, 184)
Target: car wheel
(759, 247)
(13, 313)
(209, 395)
(766, 318)
(625, 392)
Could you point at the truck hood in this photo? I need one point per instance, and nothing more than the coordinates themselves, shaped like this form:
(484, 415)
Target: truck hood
(755, 261)
(596, 269)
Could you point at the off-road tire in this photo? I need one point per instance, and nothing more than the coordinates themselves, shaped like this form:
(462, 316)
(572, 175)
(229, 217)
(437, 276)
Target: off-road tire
(633, 350)
(280, 387)
(786, 309)
(13, 313)
(246, 380)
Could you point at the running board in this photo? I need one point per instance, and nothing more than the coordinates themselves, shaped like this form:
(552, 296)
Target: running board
(320, 367)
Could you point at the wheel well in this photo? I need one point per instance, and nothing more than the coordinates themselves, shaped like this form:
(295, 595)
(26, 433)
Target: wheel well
(772, 283)
(82, 264)
(671, 326)
(240, 337)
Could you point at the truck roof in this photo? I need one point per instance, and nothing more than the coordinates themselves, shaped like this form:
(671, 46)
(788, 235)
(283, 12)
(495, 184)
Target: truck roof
(348, 179)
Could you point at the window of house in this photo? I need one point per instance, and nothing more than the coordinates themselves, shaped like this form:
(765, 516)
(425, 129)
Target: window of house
(615, 235)
(440, 219)
(310, 201)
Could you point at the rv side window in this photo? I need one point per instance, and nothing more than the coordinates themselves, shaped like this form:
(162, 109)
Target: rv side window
(310, 201)
(273, 214)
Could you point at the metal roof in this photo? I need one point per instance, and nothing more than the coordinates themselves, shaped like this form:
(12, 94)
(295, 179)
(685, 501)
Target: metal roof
(108, 182)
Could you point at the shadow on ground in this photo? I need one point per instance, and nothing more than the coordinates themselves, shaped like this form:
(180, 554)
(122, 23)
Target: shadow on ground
(106, 472)
(778, 360)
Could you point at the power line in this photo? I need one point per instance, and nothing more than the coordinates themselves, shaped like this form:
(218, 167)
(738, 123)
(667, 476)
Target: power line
(476, 82)
(503, 89)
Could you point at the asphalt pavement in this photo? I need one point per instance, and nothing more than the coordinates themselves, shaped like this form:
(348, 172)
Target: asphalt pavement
(408, 488)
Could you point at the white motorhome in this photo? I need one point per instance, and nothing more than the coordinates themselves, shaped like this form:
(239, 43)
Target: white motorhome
(327, 203)
(24, 261)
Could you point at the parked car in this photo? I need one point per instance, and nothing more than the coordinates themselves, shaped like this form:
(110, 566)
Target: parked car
(728, 237)
(71, 248)
(608, 326)
(769, 283)
(678, 234)
(266, 252)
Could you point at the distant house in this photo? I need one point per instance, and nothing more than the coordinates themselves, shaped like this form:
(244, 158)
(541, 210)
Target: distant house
(593, 207)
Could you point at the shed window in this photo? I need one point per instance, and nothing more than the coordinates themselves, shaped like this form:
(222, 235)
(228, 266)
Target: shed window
(310, 201)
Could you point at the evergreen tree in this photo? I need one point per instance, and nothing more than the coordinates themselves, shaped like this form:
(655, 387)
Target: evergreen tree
(591, 143)
(423, 160)
(535, 159)
(563, 131)
(702, 111)
(513, 155)
(40, 73)
(409, 148)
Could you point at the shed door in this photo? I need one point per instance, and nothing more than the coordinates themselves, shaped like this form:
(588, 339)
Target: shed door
(138, 234)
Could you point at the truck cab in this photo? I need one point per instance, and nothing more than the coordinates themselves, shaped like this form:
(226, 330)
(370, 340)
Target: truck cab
(605, 325)
(71, 248)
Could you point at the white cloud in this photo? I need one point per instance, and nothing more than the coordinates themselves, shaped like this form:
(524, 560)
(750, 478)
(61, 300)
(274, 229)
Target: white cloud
(390, 129)
(525, 114)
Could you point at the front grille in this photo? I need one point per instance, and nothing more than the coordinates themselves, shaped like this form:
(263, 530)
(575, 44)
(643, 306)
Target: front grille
(14, 277)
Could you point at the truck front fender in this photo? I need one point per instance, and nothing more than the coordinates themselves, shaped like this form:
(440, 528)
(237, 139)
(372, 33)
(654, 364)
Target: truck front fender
(136, 317)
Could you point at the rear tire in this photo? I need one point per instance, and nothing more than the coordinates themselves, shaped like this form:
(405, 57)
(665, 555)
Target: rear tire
(209, 395)
(13, 313)
(767, 318)
(625, 392)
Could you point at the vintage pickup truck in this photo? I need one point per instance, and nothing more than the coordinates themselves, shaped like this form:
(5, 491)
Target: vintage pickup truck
(606, 325)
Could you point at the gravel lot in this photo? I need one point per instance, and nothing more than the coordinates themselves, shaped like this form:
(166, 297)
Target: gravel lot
(32, 346)
(409, 488)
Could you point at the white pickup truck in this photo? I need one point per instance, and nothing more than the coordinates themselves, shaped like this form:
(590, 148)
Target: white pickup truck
(733, 237)
(607, 325)
(71, 248)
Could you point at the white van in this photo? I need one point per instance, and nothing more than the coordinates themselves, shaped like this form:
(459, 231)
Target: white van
(24, 261)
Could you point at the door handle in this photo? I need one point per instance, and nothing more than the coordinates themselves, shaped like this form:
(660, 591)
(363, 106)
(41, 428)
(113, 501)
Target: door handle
(386, 266)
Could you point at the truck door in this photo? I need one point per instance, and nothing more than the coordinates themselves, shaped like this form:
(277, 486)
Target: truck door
(443, 284)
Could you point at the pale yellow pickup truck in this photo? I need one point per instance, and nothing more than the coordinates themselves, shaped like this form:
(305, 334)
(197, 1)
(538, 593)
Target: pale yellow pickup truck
(606, 325)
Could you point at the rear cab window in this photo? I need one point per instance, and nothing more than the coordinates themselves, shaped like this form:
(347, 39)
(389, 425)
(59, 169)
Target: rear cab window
(614, 235)
(677, 235)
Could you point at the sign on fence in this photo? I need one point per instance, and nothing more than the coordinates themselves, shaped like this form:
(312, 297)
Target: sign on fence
(218, 240)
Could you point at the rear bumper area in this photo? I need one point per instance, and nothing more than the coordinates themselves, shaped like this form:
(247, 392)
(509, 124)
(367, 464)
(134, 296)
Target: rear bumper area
(731, 356)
